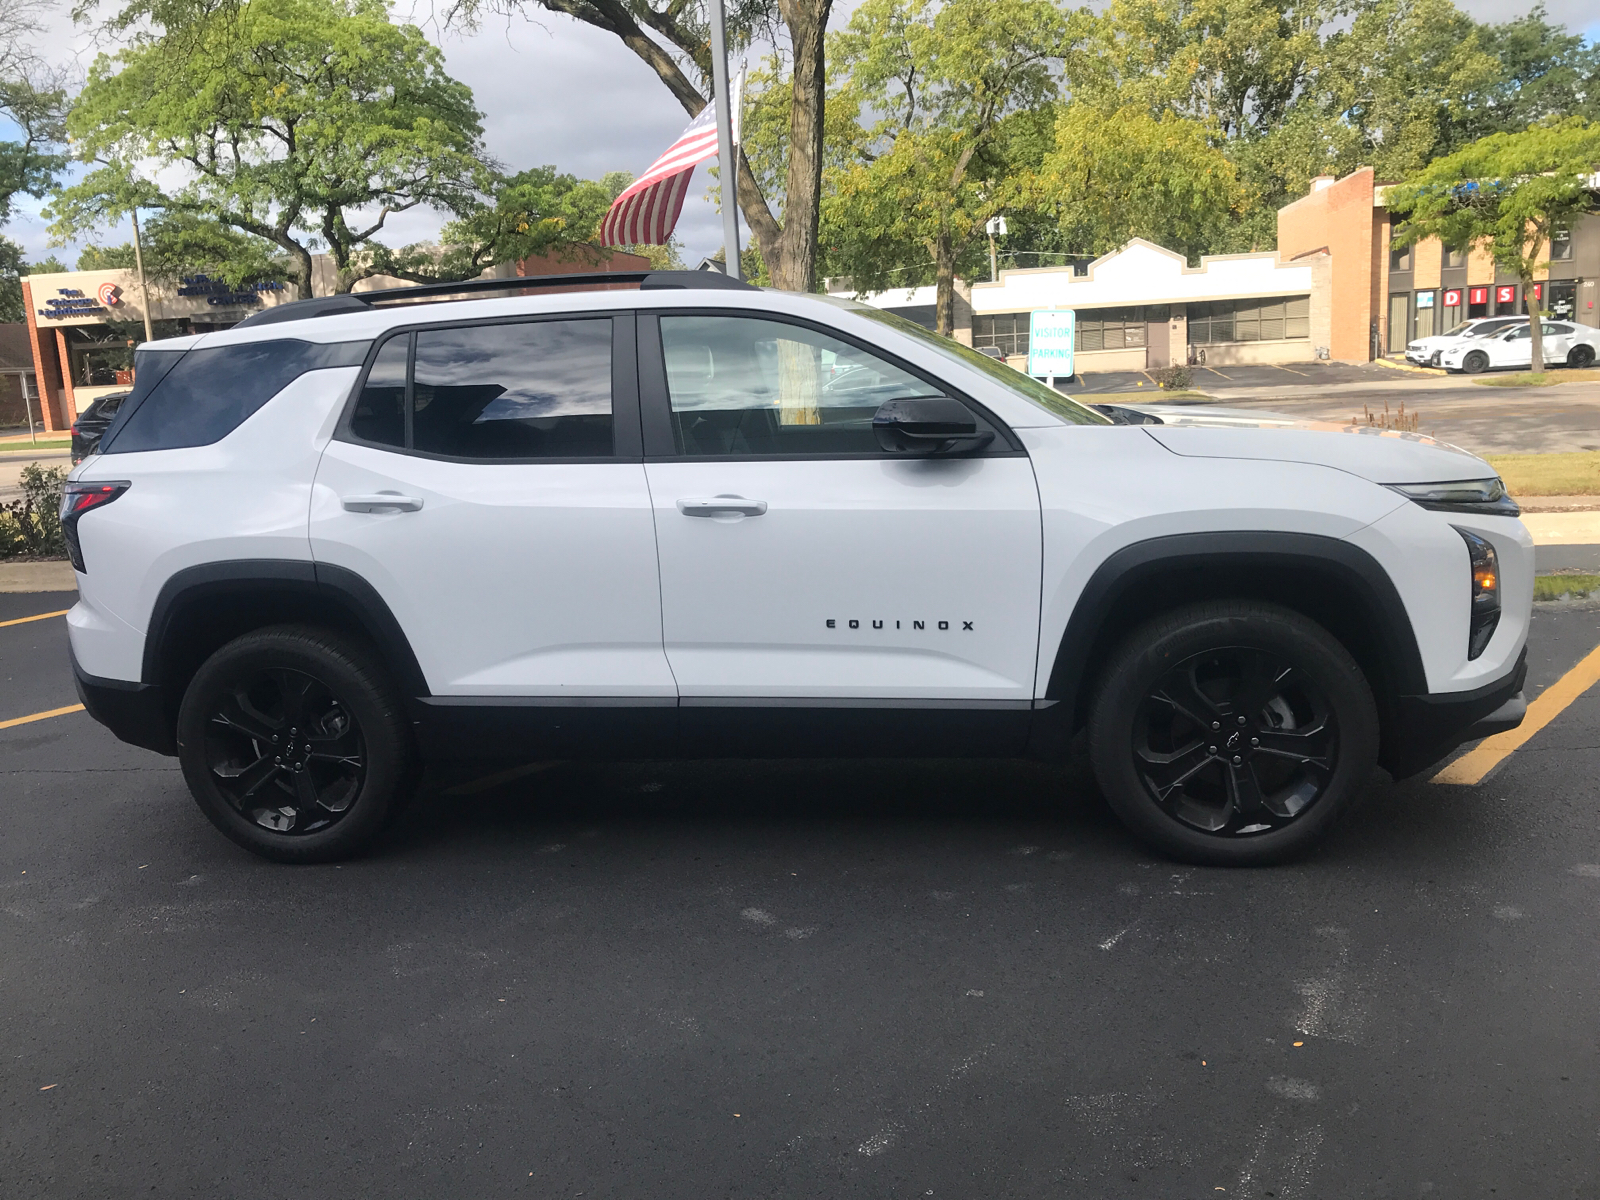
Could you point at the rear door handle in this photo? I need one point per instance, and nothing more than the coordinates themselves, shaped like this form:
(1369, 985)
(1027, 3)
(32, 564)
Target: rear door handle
(720, 506)
(382, 502)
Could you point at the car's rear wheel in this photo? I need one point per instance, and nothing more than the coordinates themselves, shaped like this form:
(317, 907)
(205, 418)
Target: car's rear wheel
(1580, 356)
(1475, 363)
(295, 745)
(1232, 734)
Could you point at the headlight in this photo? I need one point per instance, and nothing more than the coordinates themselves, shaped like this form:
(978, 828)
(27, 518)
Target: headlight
(1485, 592)
(1482, 497)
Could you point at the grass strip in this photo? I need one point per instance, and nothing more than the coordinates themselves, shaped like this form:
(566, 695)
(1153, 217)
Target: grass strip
(1539, 379)
(1573, 474)
(1555, 587)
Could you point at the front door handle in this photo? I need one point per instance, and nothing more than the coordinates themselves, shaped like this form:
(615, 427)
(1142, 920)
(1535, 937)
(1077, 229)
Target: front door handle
(382, 502)
(722, 506)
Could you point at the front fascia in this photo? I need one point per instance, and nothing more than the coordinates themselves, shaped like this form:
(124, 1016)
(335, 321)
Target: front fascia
(1104, 489)
(1428, 561)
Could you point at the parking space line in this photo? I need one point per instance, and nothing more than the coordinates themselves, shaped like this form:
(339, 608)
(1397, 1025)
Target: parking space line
(1291, 370)
(1472, 766)
(35, 617)
(41, 716)
(1214, 371)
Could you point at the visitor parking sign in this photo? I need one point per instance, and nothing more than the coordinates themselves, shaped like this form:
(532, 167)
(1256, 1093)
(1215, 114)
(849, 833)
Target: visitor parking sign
(1050, 333)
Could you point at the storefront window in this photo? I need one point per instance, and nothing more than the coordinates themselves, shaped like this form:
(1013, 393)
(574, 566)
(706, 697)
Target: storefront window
(1005, 332)
(1286, 318)
(102, 355)
(1114, 328)
(1426, 303)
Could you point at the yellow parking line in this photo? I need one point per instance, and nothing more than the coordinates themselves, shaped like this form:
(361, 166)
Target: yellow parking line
(35, 617)
(40, 716)
(1472, 766)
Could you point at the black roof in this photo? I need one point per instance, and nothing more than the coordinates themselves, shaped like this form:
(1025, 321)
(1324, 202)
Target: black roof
(648, 281)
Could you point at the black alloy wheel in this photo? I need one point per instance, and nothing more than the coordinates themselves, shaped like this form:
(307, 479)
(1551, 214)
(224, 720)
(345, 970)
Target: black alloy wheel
(295, 744)
(1232, 733)
(1580, 356)
(284, 752)
(1475, 363)
(1235, 742)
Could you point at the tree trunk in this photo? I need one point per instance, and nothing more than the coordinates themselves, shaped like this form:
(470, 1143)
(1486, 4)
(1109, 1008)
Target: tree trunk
(944, 298)
(301, 258)
(796, 268)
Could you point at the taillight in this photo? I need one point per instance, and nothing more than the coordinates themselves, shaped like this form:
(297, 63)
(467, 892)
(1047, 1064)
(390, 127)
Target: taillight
(79, 498)
(74, 429)
(1485, 602)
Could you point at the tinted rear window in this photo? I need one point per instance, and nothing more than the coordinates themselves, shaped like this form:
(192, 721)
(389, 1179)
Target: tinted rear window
(206, 394)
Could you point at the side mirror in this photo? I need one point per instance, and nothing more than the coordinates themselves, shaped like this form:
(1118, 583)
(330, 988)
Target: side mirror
(927, 425)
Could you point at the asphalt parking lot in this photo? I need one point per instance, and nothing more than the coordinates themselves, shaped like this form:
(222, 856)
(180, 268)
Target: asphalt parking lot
(1204, 378)
(792, 979)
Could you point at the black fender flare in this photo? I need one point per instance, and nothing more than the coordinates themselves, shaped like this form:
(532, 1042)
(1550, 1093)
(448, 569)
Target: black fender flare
(1127, 572)
(320, 583)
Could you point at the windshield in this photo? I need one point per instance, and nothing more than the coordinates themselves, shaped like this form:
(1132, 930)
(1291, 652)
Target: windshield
(1025, 386)
(1459, 329)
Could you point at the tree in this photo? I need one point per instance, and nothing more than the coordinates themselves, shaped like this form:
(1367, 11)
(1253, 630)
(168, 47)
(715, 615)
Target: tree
(282, 119)
(32, 98)
(1118, 175)
(1511, 190)
(12, 269)
(176, 244)
(1543, 72)
(953, 88)
(788, 237)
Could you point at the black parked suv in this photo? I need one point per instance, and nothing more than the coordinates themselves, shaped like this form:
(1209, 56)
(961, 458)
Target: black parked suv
(92, 422)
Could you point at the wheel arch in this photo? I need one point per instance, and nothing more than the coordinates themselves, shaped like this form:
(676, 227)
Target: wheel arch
(1336, 584)
(200, 609)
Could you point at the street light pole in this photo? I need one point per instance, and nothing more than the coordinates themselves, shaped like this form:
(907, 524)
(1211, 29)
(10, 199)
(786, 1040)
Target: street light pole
(144, 288)
(730, 167)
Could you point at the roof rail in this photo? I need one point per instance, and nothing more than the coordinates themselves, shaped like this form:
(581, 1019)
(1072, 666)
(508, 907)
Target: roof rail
(648, 281)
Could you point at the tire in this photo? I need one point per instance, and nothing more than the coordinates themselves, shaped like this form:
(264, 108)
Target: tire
(1233, 671)
(1580, 357)
(1475, 363)
(322, 702)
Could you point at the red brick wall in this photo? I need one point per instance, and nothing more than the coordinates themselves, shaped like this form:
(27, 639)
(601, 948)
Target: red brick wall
(1339, 218)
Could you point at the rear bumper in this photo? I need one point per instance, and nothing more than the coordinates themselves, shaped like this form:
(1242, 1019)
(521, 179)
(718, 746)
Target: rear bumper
(135, 712)
(1421, 730)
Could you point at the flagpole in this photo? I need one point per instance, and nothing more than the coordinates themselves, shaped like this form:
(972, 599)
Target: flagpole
(730, 167)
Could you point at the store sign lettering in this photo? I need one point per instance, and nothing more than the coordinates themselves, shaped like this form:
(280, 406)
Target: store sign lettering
(1505, 294)
(69, 303)
(1452, 298)
(219, 292)
(1478, 295)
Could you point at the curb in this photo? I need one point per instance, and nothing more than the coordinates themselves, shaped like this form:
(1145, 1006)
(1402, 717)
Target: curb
(52, 576)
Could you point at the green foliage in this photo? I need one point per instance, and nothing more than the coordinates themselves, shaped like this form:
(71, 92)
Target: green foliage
(955, 91)
(177, 244)
(283, 119)
(1510, 190)
(29, 165)
(32, 525)
(12, 269)
(1123, 174)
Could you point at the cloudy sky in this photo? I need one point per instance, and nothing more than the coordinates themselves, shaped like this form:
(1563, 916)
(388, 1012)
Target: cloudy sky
(556, 91)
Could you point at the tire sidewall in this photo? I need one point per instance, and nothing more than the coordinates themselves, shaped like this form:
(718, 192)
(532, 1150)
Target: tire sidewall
(1581, 356)
(359, 687)
(1475, 363)
(1160, 646)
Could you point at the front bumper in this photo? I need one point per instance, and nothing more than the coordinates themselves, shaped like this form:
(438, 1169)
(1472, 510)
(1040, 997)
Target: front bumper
(1418, 731)
(135, 712)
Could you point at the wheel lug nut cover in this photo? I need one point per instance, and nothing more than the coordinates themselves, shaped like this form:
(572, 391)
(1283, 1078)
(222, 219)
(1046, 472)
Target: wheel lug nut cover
(1237, 760)
(1214, 725)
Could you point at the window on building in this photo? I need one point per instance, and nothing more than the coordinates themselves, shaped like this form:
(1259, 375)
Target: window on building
(1400, 258)
(1454, 258)
(1005, 332)
(1284, 318)
(1115, 328)
(1561, 246)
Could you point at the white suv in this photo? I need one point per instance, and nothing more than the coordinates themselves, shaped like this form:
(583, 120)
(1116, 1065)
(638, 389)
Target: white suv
(674, 515)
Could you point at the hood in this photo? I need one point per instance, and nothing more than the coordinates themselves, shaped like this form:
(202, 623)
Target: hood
(1381, 455)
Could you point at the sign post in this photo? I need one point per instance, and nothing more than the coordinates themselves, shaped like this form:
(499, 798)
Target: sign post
(1050, 337)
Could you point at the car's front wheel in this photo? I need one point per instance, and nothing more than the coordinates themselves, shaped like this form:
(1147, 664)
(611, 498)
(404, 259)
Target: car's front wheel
(1475, 363)
(295, 745)
(1232, 734)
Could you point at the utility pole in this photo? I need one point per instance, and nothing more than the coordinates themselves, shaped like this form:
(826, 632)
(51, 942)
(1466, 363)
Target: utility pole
(730, 165)
(996, 225)
(144, 288)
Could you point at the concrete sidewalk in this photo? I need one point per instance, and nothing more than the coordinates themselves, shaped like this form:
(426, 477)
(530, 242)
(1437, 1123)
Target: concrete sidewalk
(55, 576)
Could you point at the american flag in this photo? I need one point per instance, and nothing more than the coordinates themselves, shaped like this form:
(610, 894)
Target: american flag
(647, 212)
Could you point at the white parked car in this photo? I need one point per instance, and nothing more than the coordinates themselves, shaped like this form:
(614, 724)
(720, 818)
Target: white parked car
(1565, 342)
(1425, 352)
(359, 532)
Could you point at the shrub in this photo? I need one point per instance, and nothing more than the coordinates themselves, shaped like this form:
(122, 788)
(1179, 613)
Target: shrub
(32, 525)
(1175, 378)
